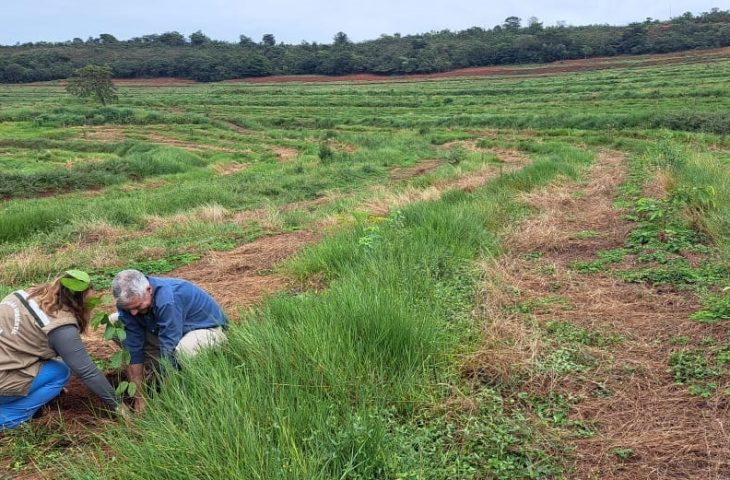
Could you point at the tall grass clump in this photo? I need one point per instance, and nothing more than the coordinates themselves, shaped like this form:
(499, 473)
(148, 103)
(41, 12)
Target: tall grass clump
(139, 162)
(702, 178)
(317, 386)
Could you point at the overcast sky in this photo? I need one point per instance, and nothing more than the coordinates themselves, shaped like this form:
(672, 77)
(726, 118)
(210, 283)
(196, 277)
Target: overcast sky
(293, 21)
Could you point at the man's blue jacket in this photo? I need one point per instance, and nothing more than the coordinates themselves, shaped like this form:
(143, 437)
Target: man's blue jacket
(178, 307)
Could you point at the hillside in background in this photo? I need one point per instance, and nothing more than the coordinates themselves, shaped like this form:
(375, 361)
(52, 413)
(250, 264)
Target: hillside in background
(201, 58)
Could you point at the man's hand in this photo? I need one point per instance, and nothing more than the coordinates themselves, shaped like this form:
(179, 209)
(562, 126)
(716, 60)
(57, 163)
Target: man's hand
(139, 404)
(123, 412)
(135, 374)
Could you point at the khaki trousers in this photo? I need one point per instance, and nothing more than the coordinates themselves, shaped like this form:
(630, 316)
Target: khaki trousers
(189, 345)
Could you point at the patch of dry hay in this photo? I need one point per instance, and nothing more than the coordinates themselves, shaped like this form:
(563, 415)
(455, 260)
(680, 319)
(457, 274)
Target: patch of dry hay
(629, 396)
(285, 154)
(229, 168)
(569, 208)
(511, 346)
(211, 213)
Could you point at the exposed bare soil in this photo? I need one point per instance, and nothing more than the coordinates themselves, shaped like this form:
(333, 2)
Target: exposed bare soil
(631, 398)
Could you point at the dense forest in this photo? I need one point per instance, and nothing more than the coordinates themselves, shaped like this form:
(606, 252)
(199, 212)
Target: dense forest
(201, 58)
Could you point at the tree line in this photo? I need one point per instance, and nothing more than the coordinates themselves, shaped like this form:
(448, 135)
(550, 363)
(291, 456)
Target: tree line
(198, 57)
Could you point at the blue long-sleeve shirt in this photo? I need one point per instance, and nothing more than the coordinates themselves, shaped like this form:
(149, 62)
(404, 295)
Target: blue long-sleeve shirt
(178, 307)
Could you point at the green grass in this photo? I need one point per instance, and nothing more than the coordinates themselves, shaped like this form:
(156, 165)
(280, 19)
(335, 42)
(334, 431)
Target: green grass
(313, 386)
(361, 380)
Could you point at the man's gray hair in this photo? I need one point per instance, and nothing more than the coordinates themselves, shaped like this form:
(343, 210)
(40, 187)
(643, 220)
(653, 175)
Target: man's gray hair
(128, 285)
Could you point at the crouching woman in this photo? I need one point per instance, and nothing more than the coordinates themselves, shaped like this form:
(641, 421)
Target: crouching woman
(37, 327)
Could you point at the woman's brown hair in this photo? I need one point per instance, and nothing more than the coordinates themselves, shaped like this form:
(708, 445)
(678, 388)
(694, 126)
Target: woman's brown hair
(53, 296)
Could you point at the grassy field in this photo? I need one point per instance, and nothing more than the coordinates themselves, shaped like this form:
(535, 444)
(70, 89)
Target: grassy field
(381, 356)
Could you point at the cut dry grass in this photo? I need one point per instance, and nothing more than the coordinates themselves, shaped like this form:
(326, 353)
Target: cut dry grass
(512, 346)
(229, 168)
(381, 205)
(212, 213)
(285, 154)
(568, 208)
(646, 425)
(30, 263)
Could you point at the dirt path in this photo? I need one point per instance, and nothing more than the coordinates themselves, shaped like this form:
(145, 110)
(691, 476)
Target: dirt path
(647, 427)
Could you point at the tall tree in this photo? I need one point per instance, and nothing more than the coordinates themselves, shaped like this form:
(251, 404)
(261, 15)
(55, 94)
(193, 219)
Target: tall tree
(268, 40)
(199, 38)
(107, 39)
(341, 39)
(512, 24)
(93, 81)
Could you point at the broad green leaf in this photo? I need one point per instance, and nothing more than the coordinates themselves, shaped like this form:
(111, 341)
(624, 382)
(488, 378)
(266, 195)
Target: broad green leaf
(121, 334)
(74, 284)
(122, 387)
(79, 275)
(93, 302)
(108, 333)
(98, 319)
(117, 359)
(132, 389)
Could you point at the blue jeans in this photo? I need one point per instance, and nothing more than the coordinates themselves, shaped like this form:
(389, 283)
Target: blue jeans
(45, 387)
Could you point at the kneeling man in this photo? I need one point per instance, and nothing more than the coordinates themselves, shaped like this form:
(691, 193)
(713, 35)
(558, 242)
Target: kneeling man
(164, 318)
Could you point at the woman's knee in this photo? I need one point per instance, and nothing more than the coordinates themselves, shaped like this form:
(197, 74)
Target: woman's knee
(55, 373)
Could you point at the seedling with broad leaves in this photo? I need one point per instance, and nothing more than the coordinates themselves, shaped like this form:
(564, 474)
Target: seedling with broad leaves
(113, 331)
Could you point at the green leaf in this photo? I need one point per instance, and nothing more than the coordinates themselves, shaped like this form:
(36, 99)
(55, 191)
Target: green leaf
(122, 387)
(127, 356)
(132, 389)
(74, 284)
(93, 302)
(117, 359)
(79, 275)
(109, 333)
(120, 334)
(98, 319)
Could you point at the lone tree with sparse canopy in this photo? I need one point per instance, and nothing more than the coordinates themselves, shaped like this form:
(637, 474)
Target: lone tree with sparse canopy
(93, 81)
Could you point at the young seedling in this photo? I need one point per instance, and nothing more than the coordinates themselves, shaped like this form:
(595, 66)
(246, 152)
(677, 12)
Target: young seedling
(113, 331)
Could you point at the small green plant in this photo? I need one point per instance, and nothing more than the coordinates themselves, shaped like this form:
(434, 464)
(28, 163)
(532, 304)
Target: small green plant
(325, 153)
(534, 255)
(568, 332)
(605, 258)
(371, 237)
(623, 453)
(722, 355)
(703, 390)
(456, 155)
(699, 199)
(716, 308)
(690, 366)
(585, 234)
(114, 331)
(566, 360)
(682, 340)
